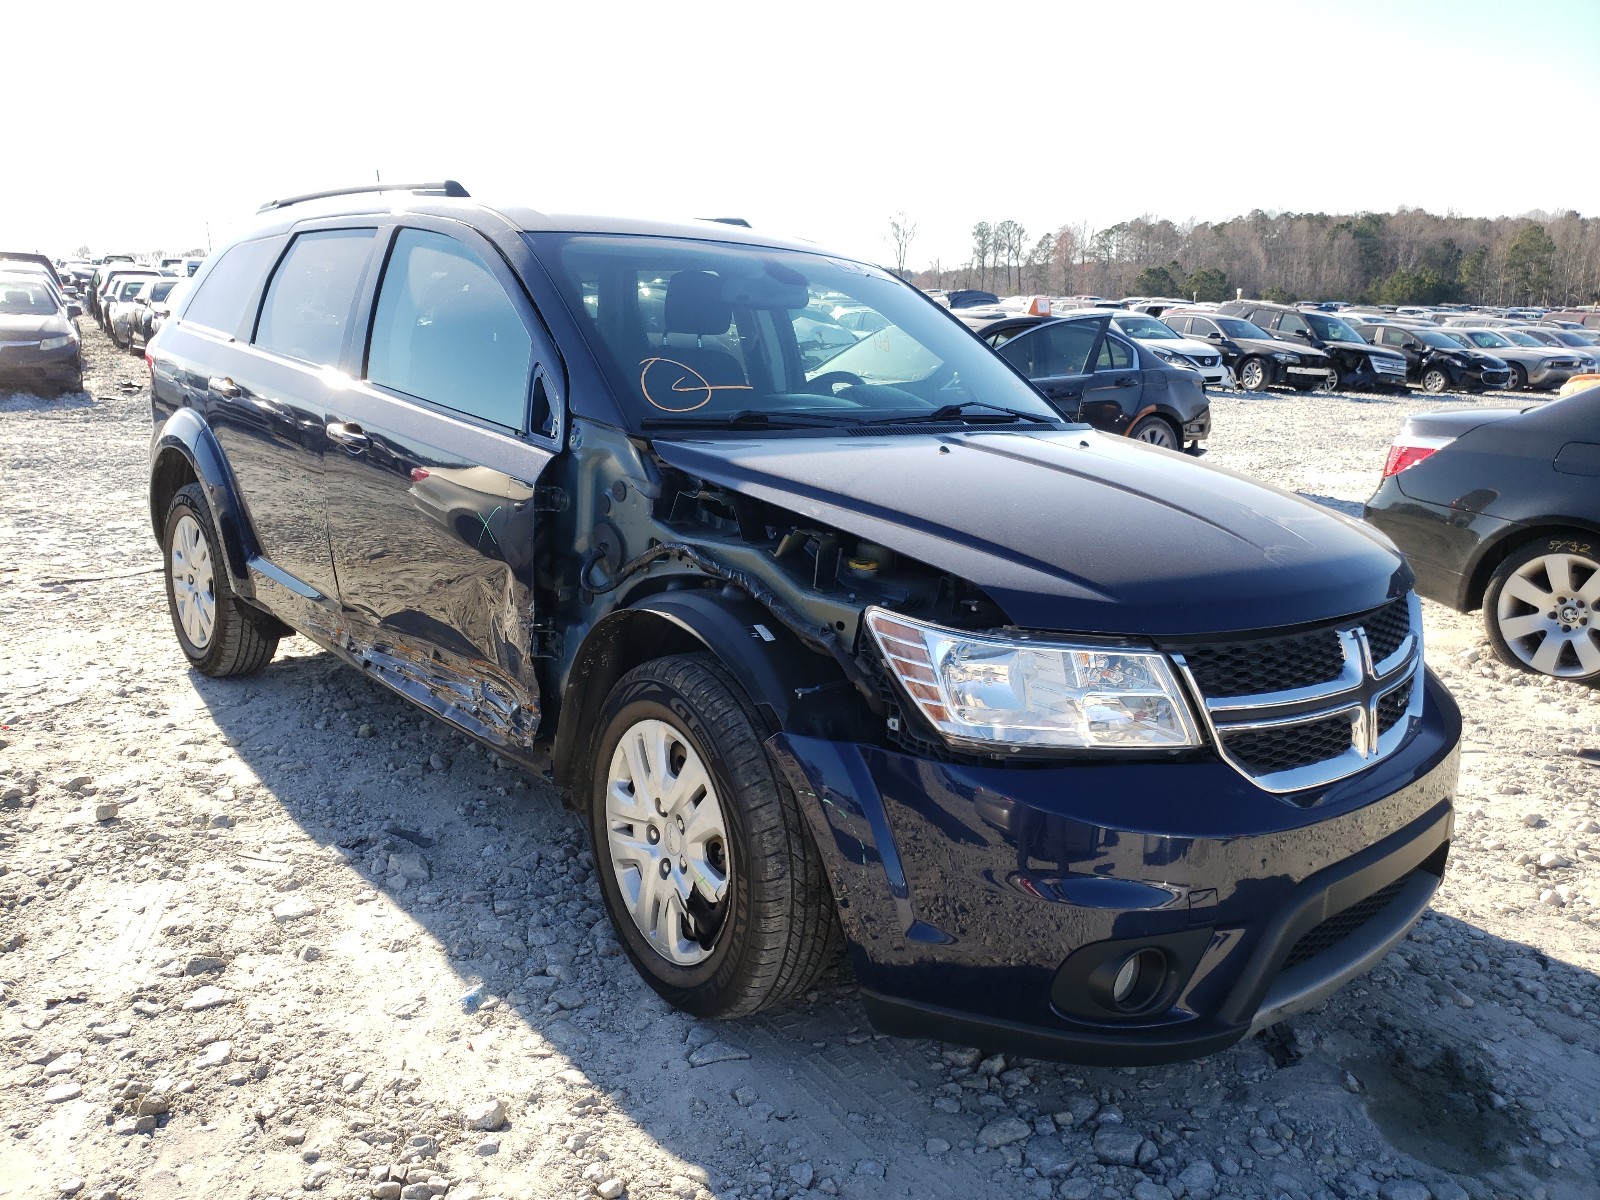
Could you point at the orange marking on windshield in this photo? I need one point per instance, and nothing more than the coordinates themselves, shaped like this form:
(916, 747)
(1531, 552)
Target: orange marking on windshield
(684, 385)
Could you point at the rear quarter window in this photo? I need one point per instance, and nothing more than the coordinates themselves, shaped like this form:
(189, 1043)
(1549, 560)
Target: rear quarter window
(226, 298)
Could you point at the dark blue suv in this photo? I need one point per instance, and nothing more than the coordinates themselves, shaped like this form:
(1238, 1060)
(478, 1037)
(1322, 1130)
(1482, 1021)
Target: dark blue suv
(1079, 747)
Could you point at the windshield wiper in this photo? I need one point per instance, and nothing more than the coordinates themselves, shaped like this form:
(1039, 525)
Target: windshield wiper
(958, 411)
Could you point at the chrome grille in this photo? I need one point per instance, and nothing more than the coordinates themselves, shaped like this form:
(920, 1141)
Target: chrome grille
(1303, 710)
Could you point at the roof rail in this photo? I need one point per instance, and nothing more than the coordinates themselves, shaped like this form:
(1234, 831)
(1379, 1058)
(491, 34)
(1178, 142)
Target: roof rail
(728, 221)
(447, 187)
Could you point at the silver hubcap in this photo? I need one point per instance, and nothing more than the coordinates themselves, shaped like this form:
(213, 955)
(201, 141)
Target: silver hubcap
(668, 842)
(1547, 614)
(1433, 381)
(1157, 434)
(189, 562)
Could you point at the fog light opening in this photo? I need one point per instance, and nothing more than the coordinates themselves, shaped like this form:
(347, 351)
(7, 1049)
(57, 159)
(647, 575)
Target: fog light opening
(1142, 975)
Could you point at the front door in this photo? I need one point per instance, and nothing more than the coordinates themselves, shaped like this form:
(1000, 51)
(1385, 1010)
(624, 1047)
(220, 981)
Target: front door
(430, 481)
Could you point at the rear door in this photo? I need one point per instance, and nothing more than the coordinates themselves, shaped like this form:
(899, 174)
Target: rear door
(264, 390)
(1113, 394)
(434, 455)
(1058, 357)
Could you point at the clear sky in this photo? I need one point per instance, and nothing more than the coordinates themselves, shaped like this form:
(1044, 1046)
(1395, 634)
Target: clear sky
(148, 121)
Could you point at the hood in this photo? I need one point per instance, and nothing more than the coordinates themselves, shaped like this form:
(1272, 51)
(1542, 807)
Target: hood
(1185, 346)
(1073, 532)
(1272, 345)
(27, 325)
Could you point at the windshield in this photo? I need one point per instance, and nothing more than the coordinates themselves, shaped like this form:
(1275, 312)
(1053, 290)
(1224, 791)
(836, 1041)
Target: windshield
(1458, 339)
(1235, 328)
(1332, 329)
(1482, 337)
(1439, 341)
(18, 299)
(1146, 329)
(163, 289)
(1517, 338)
(701, 334)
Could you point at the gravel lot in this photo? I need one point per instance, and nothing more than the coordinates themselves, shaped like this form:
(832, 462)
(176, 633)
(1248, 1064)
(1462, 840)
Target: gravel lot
(287, 935)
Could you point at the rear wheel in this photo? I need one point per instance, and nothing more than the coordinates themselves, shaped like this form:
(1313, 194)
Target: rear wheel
(1154, 431)
(218, 634)
(1434, 381)
(1253, 375)
(1542, 609)
(706, 866)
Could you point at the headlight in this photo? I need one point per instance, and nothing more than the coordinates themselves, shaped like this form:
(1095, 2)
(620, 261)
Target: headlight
(1282, 357)
(981, 690)
(1173, 359)
(56, 343)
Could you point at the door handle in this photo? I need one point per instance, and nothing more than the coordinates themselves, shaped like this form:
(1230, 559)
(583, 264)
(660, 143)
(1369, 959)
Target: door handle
(223, 386)
(347, 434)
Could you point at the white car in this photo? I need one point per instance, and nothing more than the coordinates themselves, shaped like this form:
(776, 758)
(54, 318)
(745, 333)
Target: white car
(1173, 349)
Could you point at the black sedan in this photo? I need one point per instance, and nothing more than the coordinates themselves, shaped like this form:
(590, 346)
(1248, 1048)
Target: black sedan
(1500, 509)
(38, 341)
(1437, 362)
(1091, 373)
(1257, 359)
(1357, 365)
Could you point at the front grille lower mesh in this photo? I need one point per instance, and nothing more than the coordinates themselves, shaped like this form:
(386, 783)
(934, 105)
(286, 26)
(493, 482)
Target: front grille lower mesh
(1266, 751)
(1342, 924)
(1392, 708)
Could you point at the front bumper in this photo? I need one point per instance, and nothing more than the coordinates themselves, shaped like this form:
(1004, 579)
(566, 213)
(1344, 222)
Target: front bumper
(25, 362)
(976, 899)
(1482, 378)
(1299, 375)
(1546, 379)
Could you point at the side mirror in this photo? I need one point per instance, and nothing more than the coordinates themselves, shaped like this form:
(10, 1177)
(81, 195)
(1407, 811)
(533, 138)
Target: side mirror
(1301, 333)
(74, 311)
(1213, 336)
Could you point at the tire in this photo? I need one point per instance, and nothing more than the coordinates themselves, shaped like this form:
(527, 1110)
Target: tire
(1542, 608)
(1253, 375)
(1434, 381)
(132, 349)
(1519, 378)
(217, 633)
(1155, 431)
(1335, 381)
(763, 923)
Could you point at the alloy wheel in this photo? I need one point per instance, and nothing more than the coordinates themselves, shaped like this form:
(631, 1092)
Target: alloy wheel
(668, 841)
(1548, 612)
(193, 583)
(1253, 377)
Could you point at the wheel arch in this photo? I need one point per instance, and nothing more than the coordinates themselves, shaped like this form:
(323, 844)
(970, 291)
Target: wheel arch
(185, 451)
(794, 688)
(1496, 552)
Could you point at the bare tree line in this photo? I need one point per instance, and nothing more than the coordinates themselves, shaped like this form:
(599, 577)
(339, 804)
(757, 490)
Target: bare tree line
(1404, 257)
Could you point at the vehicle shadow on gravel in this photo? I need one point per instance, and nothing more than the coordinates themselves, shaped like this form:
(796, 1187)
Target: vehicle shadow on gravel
(1462, 1061)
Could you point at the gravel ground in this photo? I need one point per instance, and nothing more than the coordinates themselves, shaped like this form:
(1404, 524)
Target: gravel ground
(288, 935)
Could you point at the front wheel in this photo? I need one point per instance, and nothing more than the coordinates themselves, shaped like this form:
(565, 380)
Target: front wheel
(706, 866)
(1519, 378)
(216, 632)
(1434, 381)
(1253, 375)
(1542, 609)
(1153, 431)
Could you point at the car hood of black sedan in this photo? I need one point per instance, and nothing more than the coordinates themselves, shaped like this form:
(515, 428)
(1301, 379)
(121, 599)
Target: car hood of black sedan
(29, 325)
(1275, 345)
(1071, 531)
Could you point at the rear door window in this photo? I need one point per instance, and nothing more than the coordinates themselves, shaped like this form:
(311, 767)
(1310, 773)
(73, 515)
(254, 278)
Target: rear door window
(1115, 355)
(1071, 344)
(445, 331)
(312, 294)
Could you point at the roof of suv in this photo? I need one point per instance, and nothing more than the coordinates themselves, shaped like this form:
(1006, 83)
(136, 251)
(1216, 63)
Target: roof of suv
(509, 218)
